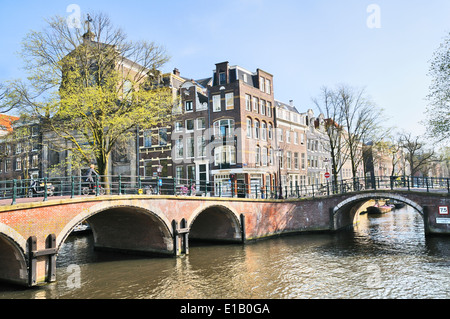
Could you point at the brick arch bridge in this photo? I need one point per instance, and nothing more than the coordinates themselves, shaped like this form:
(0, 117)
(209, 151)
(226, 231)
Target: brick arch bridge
(31, 234)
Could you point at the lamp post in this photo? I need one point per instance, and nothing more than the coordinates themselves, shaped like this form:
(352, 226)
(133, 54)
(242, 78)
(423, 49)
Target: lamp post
(280, 188)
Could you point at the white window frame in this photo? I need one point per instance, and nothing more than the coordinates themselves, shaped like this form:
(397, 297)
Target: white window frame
(229, 101)
(216, 100)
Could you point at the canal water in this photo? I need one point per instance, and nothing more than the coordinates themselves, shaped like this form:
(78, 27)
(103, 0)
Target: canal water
(383, 257)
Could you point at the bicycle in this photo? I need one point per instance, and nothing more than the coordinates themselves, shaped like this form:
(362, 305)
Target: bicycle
(93, 189)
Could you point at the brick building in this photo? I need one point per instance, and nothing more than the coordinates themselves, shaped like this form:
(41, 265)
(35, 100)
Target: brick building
(291, 141)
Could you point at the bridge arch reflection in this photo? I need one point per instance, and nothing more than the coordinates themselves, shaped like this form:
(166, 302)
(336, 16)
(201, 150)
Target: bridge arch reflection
(347, 212)
(127, 228)
(216, 223)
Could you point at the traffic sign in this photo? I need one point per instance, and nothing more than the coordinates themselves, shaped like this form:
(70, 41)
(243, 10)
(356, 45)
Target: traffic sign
(327, 175)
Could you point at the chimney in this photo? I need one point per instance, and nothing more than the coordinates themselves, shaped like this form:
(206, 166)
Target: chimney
(176, 72)
(291, 102)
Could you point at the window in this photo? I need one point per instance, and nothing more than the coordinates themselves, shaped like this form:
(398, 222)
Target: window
(179, 174)
(264, 131)
(264, 156)
(201, 146)
(190, 147)
(295, 138)
(249, 128)
(222, 78)
(19, 148)
(295, 160)
(7, 164)
(270, 131)
(189, 125)
(147, 138)
(18, 164)
(280, 158)
(189, 107)
(244, 77)
(127, 89)
(288, 136)
(267, 86)
(256, 129)
(178, 126)
(255, 104)
(258, 156)
(34, 131)
(201, 124)
(288, 160)
(224, 128)
(269, 109)
(191, 172)
(303, 160)
(302, 139)
(270, 156)
(261, 84)
(179, 148)
(34, 161)
(263, 107)
(248, 102)
(162, 137)
(280, 135)
(216, 103)
(229, 101)
(225, 155)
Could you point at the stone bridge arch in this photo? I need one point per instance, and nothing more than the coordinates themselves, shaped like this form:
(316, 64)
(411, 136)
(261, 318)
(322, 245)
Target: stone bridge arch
(131, 227)
(344, 213)
(216, 223)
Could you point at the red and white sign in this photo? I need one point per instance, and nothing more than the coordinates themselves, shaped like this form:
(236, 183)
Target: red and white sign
(327, 175)
(443, 210)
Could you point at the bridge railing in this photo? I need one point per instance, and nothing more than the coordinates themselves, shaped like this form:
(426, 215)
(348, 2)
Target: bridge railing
(74, 186)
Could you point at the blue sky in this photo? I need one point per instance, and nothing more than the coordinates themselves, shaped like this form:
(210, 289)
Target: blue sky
(305, 44)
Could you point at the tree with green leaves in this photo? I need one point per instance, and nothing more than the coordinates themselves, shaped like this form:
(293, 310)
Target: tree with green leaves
(91, 87)
(9, 98)
(438, 111)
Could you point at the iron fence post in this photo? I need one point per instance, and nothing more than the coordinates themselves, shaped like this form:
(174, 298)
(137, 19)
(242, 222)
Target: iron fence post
(72, 187)
(45, 189)
(14, 192)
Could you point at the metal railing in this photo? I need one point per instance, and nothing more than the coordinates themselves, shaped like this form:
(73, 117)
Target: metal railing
(74, 186)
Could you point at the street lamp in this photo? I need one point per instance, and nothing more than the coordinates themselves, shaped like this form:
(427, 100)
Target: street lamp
(280, 195)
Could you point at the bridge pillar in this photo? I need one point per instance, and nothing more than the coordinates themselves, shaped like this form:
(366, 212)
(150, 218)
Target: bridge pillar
(41, 263)
(436, 223)
(180, 238)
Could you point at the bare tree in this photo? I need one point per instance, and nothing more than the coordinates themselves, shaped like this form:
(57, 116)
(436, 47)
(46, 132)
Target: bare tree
(327, 104)
(416, 153)
(361, 120)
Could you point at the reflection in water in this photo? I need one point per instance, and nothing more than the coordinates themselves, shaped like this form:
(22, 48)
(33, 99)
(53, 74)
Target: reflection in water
(385, 256)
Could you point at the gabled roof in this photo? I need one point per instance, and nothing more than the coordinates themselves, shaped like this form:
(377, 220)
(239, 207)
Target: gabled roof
(6, 122)
(287, 107)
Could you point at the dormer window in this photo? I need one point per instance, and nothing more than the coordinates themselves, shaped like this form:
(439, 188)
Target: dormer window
(222, 78)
